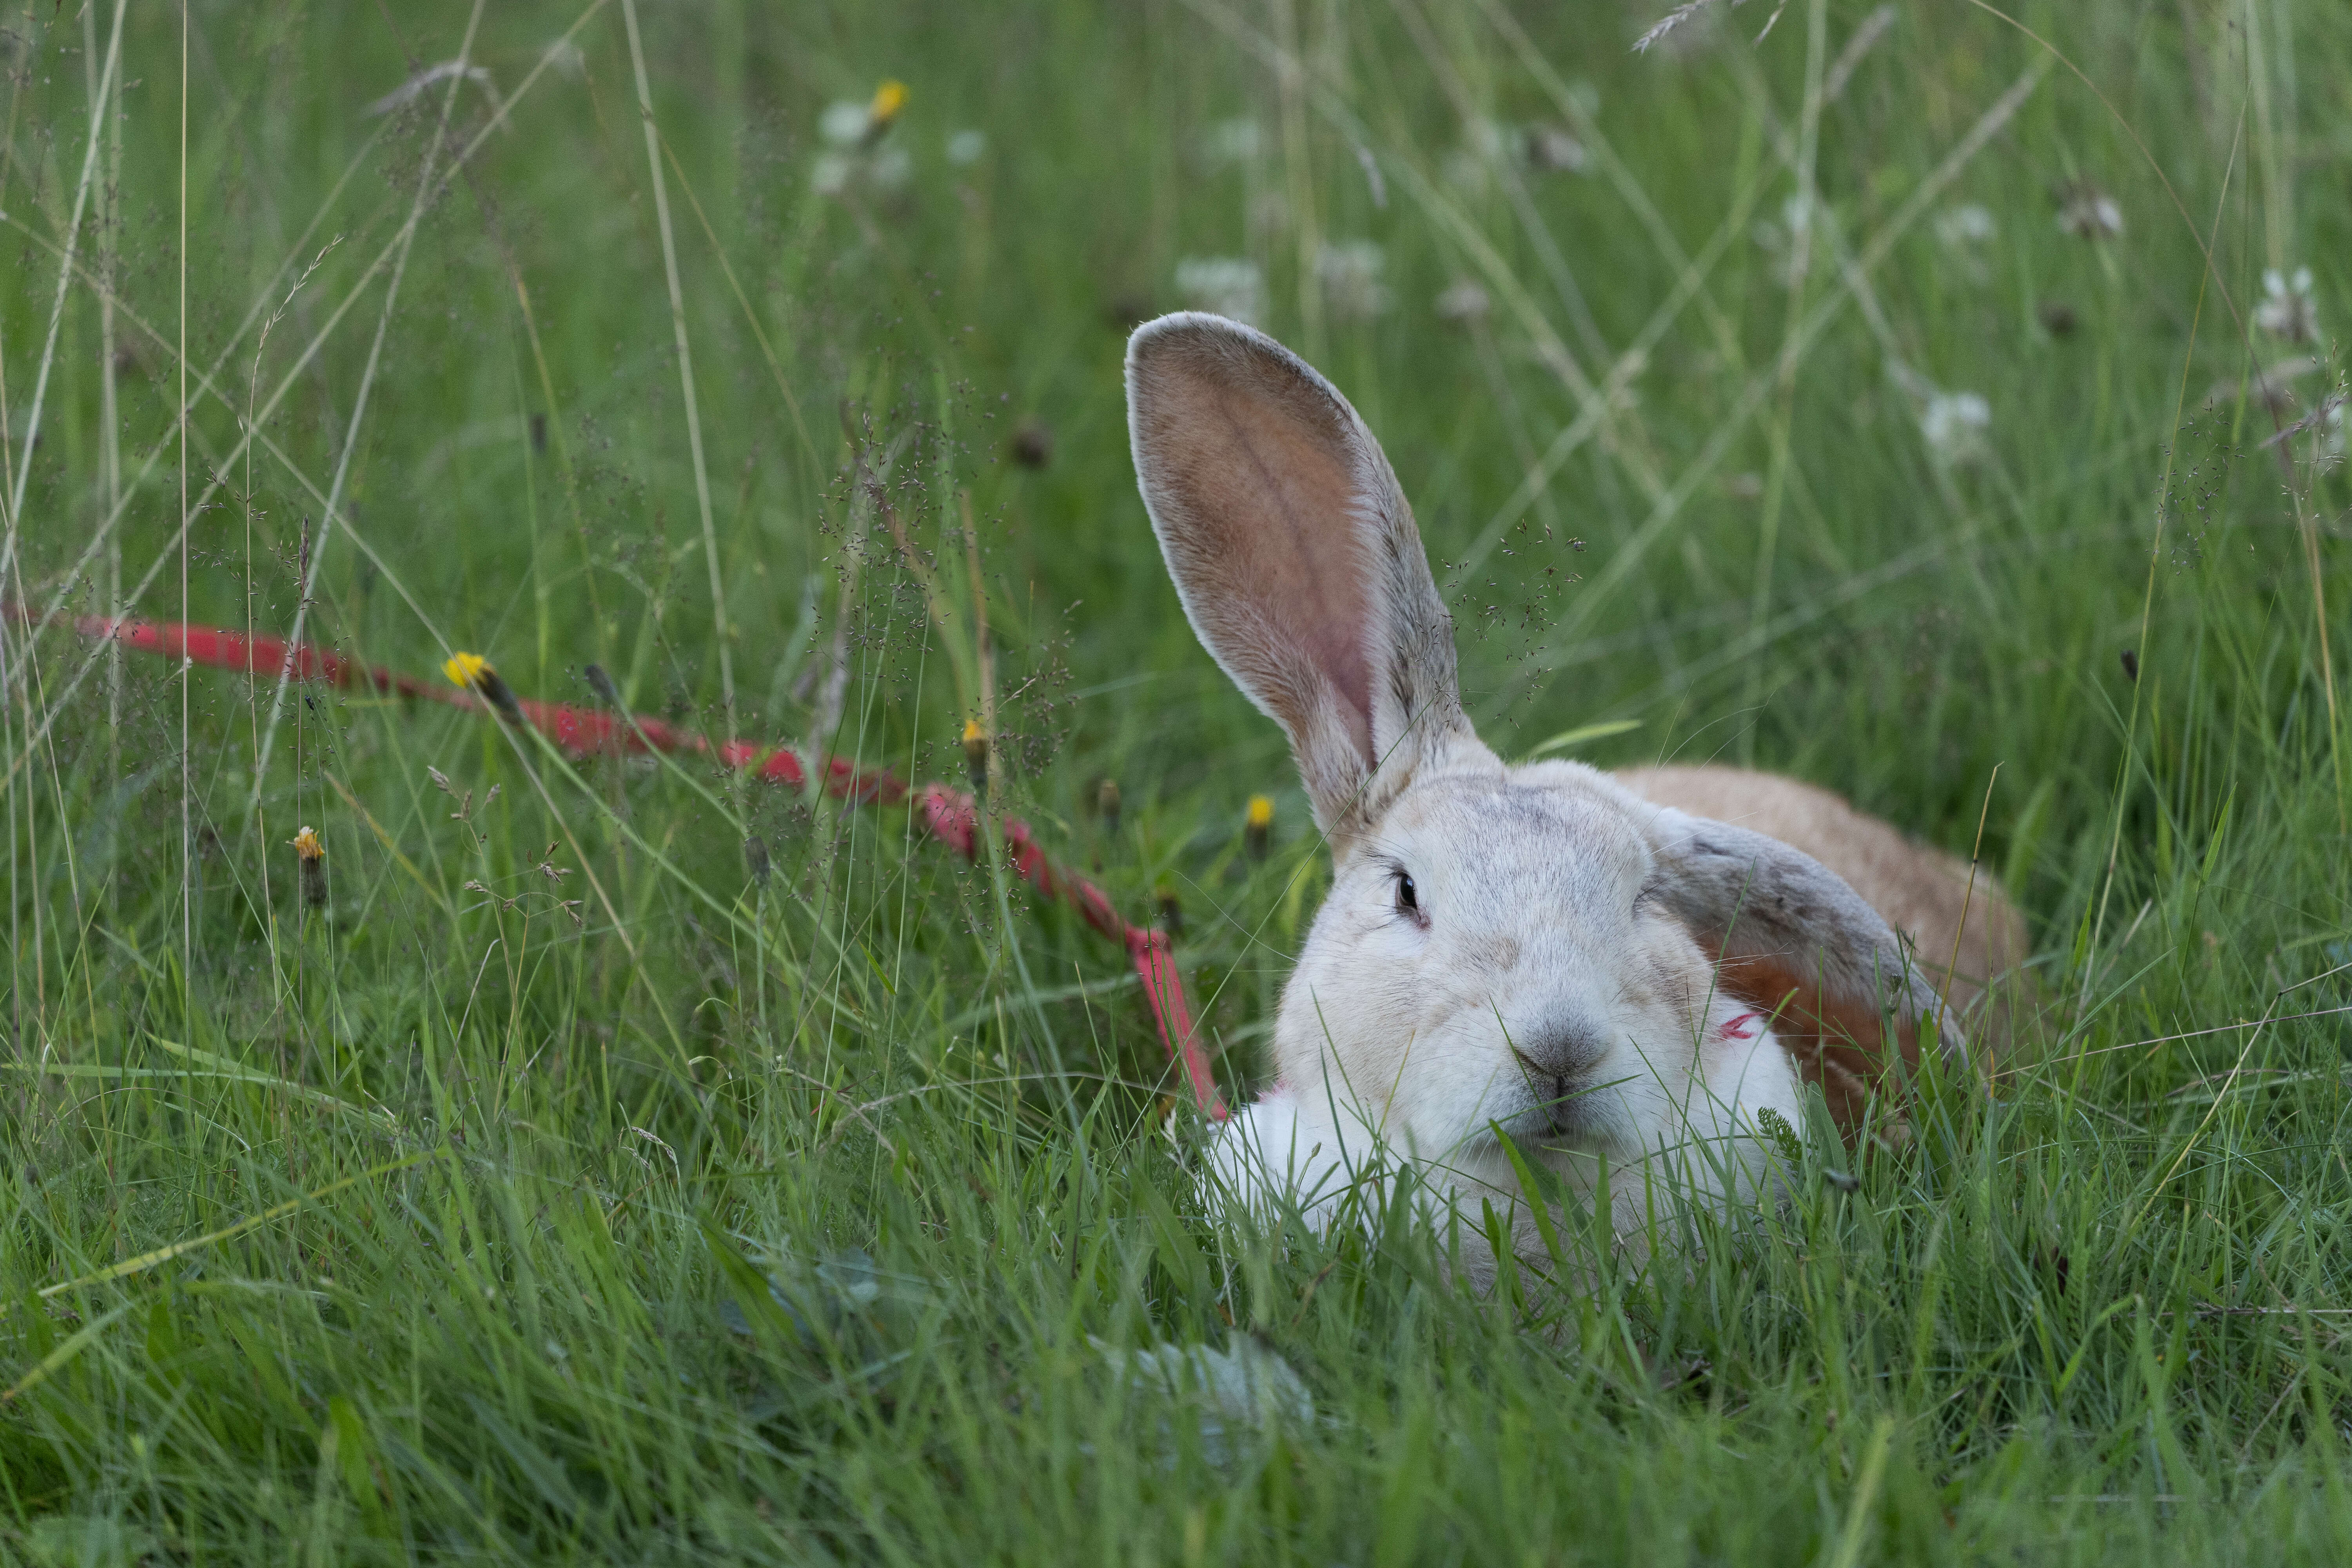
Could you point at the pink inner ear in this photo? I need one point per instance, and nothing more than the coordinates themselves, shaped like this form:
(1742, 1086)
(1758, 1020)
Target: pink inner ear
(1286, 512)
(1741, 1026)
(1249, 463)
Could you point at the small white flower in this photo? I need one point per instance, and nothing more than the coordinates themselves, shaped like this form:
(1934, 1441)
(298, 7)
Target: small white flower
(2287, 310)
(1779, 239)
(1965, 226)
(1954, 424)
(1550, 147)
(1462, 303)
(967, 147)
(843, 123)
(2087, 212)
(829, 176)
(567, 58)
(1224, 285)
(1350, 275)
(889, 167)
(1230, 141)
(1484, 145)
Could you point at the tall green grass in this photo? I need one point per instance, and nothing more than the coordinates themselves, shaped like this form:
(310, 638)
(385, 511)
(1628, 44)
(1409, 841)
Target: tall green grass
(562, 1191)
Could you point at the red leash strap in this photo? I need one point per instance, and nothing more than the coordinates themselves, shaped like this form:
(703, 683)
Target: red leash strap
(950, 815)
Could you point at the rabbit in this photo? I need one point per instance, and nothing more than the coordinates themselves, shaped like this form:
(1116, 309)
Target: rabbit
(1629, 976)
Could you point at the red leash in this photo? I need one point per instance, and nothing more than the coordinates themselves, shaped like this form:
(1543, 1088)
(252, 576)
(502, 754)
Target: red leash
(951, 816)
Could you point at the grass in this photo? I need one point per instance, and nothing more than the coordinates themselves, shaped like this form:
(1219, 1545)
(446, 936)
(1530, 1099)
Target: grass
(493, 1214)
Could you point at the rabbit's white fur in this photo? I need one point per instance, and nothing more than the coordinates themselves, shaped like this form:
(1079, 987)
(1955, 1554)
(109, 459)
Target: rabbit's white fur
(1532, 949)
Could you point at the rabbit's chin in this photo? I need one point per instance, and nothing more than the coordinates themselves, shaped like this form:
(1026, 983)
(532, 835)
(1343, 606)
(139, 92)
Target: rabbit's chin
(1308, 1151)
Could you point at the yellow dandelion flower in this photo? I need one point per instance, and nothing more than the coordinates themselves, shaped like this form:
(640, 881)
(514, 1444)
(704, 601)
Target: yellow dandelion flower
(1257, 829)
(888, 99)
(312, 856)
(472, 672)
(1261, 812)
(465, 670)
(975, 753)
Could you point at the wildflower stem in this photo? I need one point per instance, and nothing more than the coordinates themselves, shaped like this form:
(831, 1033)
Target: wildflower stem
(685, 367)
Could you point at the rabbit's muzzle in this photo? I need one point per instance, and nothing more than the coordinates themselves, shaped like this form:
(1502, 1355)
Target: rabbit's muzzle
(1559, 1069)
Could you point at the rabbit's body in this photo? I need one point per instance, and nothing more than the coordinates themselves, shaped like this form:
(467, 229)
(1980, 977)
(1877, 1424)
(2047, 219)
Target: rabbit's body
(1964, 932)
(1619, 974)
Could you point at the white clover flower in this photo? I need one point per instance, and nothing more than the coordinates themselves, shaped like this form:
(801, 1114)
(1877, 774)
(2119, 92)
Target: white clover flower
(2287, 310)
(1223, 284)
(1965, 226)
(2087, 212)
(1235, 140)
(1550, 147)
(1779, 239)
(1350, 273)
(1463, 302)
(889, 167)
(829, 176)
(1954, 424)
(843, 123)
(1484, 145)
(967, 147)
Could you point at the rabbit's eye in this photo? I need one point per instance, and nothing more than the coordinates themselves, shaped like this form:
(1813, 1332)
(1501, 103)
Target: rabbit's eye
(1408, 896)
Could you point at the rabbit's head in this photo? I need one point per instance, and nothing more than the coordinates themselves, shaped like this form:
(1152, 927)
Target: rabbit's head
(1533, 948)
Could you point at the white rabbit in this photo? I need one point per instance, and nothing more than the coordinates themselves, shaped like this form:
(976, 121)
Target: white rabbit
(1613, 980)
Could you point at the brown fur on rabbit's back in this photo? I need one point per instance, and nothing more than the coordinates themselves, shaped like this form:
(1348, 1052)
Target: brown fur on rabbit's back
(1920, 891)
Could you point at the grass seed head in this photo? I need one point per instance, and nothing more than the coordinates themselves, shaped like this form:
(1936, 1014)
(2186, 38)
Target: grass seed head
(1032, 444)
(601, 683)
(1107, 806)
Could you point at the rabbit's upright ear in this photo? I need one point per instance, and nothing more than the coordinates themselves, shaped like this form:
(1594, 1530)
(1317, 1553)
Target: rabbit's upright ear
(1792, 938)
(1296, 559)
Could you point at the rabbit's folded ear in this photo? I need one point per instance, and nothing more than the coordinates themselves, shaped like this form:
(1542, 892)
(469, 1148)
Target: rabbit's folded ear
(1296, 559)
(1790, 934)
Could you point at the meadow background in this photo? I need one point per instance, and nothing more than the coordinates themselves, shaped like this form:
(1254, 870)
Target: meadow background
(1895, 400)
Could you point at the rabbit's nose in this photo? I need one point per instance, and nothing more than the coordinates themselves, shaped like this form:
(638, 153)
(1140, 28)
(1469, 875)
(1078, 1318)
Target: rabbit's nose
(1562, 1054)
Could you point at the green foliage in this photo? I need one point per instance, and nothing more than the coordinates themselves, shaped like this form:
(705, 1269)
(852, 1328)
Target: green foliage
(562, 1190)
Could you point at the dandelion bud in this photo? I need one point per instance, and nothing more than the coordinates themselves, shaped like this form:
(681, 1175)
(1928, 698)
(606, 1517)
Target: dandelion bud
(1259, 827)
(472, 672)
(888, 99)
(602, 684)
(975, 755)
(755, 856)
(1107, 806)
(1172, 914)
(312, 856)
